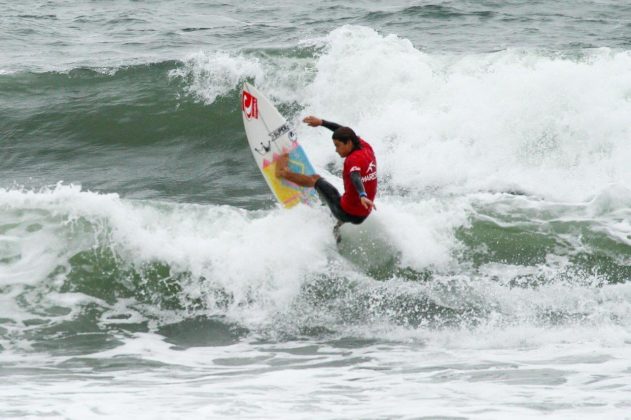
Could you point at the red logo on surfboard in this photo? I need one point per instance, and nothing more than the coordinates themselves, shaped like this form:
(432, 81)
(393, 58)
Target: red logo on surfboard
(249, 106)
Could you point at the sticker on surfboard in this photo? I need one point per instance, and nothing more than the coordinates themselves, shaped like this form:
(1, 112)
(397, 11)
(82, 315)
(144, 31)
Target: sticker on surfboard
(249, 105)
(269, 136)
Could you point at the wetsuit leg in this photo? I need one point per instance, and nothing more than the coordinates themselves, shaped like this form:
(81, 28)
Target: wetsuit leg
(331, 197)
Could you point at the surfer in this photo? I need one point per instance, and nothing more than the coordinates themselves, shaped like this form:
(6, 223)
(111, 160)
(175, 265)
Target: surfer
(359, 175)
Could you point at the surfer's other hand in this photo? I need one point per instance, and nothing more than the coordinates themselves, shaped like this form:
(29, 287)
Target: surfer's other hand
(367, 203)
(281, 165)
(312, 121)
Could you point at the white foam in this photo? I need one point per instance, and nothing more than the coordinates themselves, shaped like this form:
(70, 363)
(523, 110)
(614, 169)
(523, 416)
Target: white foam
(210, 75)
(423, 231)
(549, 125)
(255, 257)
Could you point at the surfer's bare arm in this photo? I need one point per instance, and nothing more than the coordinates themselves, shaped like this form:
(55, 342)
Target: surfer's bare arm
(316, 122)
(356, 179)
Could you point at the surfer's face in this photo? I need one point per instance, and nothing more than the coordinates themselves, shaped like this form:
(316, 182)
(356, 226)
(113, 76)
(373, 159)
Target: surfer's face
(343, 149)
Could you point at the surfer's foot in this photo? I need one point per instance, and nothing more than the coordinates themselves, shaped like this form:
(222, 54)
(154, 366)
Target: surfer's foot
(281, 166)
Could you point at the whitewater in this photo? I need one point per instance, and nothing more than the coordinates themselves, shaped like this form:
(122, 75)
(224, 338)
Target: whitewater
(146, 271)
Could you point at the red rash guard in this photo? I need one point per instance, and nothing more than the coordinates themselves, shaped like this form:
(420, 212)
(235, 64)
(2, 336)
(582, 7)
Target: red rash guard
(362, 160)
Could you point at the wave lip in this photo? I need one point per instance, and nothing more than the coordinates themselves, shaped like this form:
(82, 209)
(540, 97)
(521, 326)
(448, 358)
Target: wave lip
(209, 76)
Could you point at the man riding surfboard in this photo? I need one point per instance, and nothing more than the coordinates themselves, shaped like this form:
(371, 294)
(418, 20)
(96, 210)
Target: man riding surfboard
(359, 175)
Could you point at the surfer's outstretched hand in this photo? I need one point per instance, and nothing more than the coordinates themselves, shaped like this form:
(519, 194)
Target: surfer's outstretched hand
(312, 121)
(367, 203)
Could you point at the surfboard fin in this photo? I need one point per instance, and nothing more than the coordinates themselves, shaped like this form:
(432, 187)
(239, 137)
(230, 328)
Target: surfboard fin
(336, 231)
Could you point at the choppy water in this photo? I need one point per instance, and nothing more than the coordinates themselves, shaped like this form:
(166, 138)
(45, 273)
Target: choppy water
(146, 272)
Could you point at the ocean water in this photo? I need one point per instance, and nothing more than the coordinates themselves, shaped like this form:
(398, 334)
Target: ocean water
(147, 272)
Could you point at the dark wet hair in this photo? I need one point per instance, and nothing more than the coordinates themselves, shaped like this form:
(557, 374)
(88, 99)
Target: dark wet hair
(345, 134)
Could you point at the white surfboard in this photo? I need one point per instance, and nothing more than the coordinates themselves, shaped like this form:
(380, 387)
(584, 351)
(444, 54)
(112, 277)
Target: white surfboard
(269, 136)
